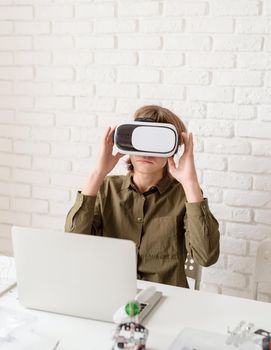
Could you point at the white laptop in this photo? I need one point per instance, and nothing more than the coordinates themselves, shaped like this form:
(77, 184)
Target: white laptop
(74, 274)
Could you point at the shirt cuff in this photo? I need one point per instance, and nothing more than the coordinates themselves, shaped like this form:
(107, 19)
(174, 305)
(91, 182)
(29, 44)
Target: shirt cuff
(197, 209)
(85, 202)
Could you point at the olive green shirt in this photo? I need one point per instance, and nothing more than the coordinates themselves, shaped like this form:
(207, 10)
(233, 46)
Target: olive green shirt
(161, 223)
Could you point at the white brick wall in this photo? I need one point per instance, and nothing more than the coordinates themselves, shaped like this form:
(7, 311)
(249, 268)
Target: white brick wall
(69, 68)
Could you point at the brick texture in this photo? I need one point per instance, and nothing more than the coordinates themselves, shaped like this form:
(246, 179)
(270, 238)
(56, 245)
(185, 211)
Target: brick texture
(69, 69)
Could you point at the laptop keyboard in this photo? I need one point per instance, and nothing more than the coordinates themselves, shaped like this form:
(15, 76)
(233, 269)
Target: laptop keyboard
(142, 307)
(146, 307)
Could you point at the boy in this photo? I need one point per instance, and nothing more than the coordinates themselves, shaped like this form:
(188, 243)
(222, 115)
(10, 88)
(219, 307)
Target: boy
(158, 204)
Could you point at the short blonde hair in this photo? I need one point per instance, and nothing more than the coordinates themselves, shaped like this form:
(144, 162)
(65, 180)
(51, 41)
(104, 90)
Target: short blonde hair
(158, 114)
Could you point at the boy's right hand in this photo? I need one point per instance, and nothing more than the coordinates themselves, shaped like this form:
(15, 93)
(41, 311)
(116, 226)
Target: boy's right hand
(106, 160)
(105, 163)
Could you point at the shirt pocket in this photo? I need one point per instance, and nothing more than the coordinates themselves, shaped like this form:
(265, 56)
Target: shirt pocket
(160, 239)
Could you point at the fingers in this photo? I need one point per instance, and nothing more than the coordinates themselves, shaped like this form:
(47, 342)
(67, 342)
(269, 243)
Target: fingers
(185, 136)
(105, 135)
(108, 136)
(188, 142)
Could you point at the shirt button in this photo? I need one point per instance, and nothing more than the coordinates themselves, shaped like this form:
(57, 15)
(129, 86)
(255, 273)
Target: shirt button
(139, 219)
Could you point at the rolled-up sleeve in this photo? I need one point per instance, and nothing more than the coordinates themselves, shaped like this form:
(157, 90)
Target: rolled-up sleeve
(201, 233)
(80, 218)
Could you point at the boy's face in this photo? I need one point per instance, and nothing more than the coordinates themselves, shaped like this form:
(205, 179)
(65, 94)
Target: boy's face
(148, 165)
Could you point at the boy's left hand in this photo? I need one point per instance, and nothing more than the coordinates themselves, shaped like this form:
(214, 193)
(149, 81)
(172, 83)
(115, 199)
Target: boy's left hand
(184, 171)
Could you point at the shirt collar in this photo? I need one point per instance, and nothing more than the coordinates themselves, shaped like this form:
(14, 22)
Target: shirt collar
(127, 182)
(162, 185)
(165, 183)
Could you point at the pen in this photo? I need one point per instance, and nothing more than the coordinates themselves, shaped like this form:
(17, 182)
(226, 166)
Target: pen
(56, 346)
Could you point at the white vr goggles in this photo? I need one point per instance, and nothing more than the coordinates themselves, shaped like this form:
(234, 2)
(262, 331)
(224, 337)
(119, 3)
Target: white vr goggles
(146, 139)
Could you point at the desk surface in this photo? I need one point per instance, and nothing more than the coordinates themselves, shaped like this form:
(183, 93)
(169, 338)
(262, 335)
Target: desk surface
(178, 308)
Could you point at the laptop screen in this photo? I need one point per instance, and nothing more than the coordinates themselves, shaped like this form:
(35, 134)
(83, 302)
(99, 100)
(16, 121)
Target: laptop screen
(73, 274)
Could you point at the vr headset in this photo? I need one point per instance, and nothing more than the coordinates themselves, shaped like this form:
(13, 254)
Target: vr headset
(146, 139)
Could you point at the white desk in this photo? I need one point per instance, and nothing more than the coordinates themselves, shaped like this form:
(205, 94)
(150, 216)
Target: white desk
(179, 308)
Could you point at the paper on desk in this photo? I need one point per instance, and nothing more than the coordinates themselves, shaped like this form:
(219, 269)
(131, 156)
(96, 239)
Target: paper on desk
(196, 339)
(16, 332)
(28, 340)
(7, 273)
